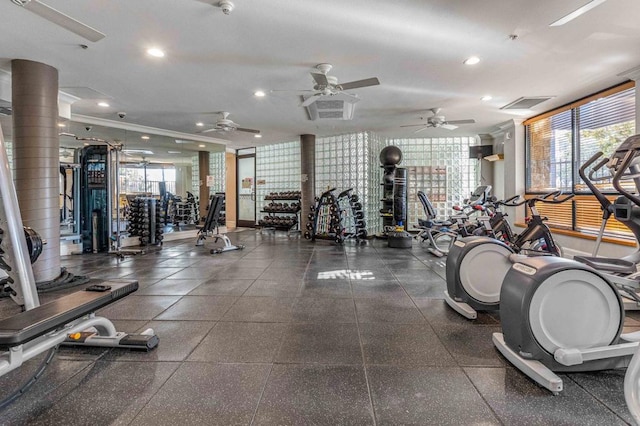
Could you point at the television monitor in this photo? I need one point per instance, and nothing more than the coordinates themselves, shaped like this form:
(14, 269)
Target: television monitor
(480, 151)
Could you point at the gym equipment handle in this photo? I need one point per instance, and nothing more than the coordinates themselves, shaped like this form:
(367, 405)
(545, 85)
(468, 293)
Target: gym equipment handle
(628, 158)
(511, 202)
(588, 180)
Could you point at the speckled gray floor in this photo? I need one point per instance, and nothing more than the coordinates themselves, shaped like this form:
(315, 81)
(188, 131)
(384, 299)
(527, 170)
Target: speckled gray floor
(288, 332)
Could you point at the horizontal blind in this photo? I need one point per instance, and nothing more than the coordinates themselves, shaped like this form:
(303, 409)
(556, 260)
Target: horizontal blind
(589, 217)
(603, 124)
(549, 154)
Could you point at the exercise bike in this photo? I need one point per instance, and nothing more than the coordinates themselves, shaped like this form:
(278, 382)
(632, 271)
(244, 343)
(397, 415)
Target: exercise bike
(476, 266)
(560, 315)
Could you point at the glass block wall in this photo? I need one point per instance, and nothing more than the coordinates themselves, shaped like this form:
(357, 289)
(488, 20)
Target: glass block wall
(217, 169)
(195, 176)
(277, 170)
(441, 168)
(351, 161)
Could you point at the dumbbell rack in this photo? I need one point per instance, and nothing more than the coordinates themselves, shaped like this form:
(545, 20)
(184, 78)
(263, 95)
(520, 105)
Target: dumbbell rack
(324, 220)
(351, 216)
(272, 220)
(146, 221)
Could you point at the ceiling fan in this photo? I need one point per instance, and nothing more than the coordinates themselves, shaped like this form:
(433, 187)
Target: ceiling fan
(59, 18)
(226, 125)
(327, 85)
(439, 121)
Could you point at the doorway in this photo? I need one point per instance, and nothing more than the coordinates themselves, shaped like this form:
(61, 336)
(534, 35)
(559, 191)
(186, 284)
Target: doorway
(246, 188)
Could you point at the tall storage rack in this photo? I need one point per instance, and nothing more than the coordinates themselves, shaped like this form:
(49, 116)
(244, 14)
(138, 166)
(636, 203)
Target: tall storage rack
(289, 221)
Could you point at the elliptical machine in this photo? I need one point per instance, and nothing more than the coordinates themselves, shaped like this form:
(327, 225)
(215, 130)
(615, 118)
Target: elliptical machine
(623, 272)
(559, 315)
(476, 266)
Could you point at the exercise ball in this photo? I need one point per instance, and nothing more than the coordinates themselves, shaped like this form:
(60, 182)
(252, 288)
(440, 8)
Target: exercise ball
(390, 155)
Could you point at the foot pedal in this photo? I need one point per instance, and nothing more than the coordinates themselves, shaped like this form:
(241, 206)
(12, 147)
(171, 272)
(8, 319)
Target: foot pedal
(143, 342)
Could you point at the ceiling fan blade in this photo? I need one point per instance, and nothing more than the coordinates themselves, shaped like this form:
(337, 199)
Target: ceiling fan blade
(59, 18)
(320, 79)
(308, 101)
(448, 126)
(424, 128)
(413, 125)
(241, 129)
(469, 121)
(291, 90)
(373, 81)
(209, 130)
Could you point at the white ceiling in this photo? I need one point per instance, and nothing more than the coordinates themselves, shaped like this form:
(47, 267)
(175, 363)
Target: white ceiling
(215, 62)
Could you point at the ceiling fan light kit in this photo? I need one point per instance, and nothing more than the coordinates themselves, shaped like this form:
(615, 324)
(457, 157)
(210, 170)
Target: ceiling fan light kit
(439, 121)
(226, 125)
(329, 100)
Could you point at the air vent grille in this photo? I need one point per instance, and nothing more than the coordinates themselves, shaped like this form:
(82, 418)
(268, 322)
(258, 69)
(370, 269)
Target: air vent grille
(332, 104)
(526, 102)
(330, 114)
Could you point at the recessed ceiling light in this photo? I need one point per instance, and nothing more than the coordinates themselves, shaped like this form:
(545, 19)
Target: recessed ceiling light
(174, 152)
(471, 60)
(580, 11)
(145, 137)
(201, 145)
(61, 125)
(486, 98)
(103, 104)
(257, 135)
(259, 94)
(199, 124)
(155, 52)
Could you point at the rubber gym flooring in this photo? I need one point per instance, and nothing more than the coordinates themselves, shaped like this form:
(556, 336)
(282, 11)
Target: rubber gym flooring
(289, 332)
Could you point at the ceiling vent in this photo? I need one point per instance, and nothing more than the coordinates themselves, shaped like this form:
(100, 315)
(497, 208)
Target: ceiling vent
(332, 107)
(527, 102)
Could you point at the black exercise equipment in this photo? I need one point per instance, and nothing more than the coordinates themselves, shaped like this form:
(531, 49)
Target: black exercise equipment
(212, 224)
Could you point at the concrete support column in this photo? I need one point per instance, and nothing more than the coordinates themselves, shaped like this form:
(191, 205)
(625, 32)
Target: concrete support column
(307, 177)
(36, 158)
(203, 172)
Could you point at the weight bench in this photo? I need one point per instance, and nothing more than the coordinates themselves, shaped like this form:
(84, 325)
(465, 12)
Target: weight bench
(70, 320)
(211, 225)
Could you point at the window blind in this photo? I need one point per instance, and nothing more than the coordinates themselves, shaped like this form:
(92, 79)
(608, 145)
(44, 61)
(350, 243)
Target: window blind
(560, 141)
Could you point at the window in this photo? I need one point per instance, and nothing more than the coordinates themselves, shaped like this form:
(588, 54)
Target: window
(560, 141)
(146, 178)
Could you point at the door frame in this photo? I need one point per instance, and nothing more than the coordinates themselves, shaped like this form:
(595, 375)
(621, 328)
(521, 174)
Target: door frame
(241, 222)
